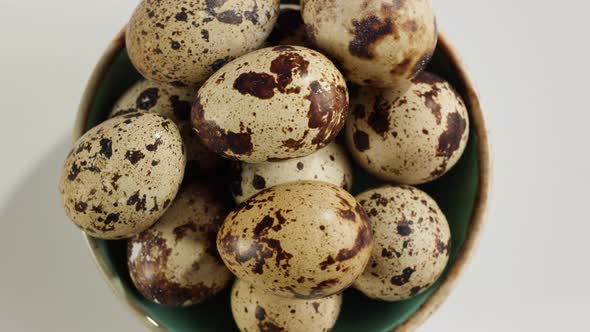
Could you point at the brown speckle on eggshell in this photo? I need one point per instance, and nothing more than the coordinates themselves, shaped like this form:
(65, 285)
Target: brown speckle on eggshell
(115, 182)
(412, 242)
(304, 239)
(377, 42)
(175, 262)
(329, 164)
(174, 103)
(411, 134)
(272, 104)
(184, 42)
(255, 310)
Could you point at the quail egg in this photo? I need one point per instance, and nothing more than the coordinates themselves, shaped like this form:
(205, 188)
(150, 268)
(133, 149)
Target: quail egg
(411, 243)
(255, 310)
(304, 239)
(122, 175)
(377, 42)
(272, 104)
(175, 262)
(184, 42)
(409, 134)
(329, 164)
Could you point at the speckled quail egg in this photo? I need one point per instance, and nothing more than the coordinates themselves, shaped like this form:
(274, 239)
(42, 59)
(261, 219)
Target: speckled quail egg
(272, 104)
(329, 164)
(255, 310)
(409, 134)
(175, 262)
(174, 103)
(184, 42)
(289, 29)
(411, 243)
(377, 42)
(122, 175)
(305, 239)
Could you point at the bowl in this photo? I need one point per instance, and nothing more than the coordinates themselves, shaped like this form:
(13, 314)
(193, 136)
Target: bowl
(462, 194)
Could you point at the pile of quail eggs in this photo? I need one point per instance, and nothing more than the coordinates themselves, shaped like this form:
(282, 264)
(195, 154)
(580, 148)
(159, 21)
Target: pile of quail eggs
(234, 157)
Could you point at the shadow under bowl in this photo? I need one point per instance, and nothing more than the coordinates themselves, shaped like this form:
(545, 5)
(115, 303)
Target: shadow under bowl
(462, 195)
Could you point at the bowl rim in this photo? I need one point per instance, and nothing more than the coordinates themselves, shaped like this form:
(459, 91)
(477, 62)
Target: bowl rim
(450, 280)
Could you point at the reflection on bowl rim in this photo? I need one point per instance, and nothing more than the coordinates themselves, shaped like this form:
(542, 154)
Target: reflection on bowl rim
(475, 225)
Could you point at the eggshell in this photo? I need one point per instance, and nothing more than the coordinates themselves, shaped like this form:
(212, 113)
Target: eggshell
(174, 103)
(175, 262)
(377, 42)
(272, 104)
(184, 42)
(329, 164)
(122, 175)
(254, 310)
(412, 243)
(412, 134)
(304, 240)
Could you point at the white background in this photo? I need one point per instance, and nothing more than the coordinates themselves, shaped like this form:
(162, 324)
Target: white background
(529, 58)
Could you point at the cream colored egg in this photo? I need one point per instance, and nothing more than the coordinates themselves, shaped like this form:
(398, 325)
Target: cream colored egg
(272, 104)
(255, 310)
(122, 175)
(329, 164)
(184, 42)
(413, 134)
(377, 42)
(175, 262)
(411, 239)
(304, 240)
(174, 103)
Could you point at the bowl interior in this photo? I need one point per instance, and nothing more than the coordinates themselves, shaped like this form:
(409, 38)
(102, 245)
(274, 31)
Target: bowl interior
(455, 193)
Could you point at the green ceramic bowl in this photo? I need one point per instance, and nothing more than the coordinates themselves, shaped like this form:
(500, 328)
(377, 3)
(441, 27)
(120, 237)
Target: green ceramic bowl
(462, 195)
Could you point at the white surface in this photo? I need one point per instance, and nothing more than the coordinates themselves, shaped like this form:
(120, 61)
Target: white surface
(530, 61)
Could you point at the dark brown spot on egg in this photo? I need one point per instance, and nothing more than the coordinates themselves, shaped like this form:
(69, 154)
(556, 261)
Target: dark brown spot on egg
(81, 207)
(319, 289)
(111, 218)
(367, 33)
(450, 140)
(230, 17)
(390, 254)
(263, 325)
(379, 119)
(181, 16)
(74, 171)
(300, 165)
(139, 202)
(441, 247)
(363, 239)
(106, 147)
(154, 146)
(260, 85)
(218, 139)
(316, 306)
(175, 45)
(327, 111)
(205, 35)
(181, 231)
(147, 99)
(252, 15)
(134, 156)
(258, 182)
(284, 66)
(410, 26)
(361, 140)
(404, 278)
